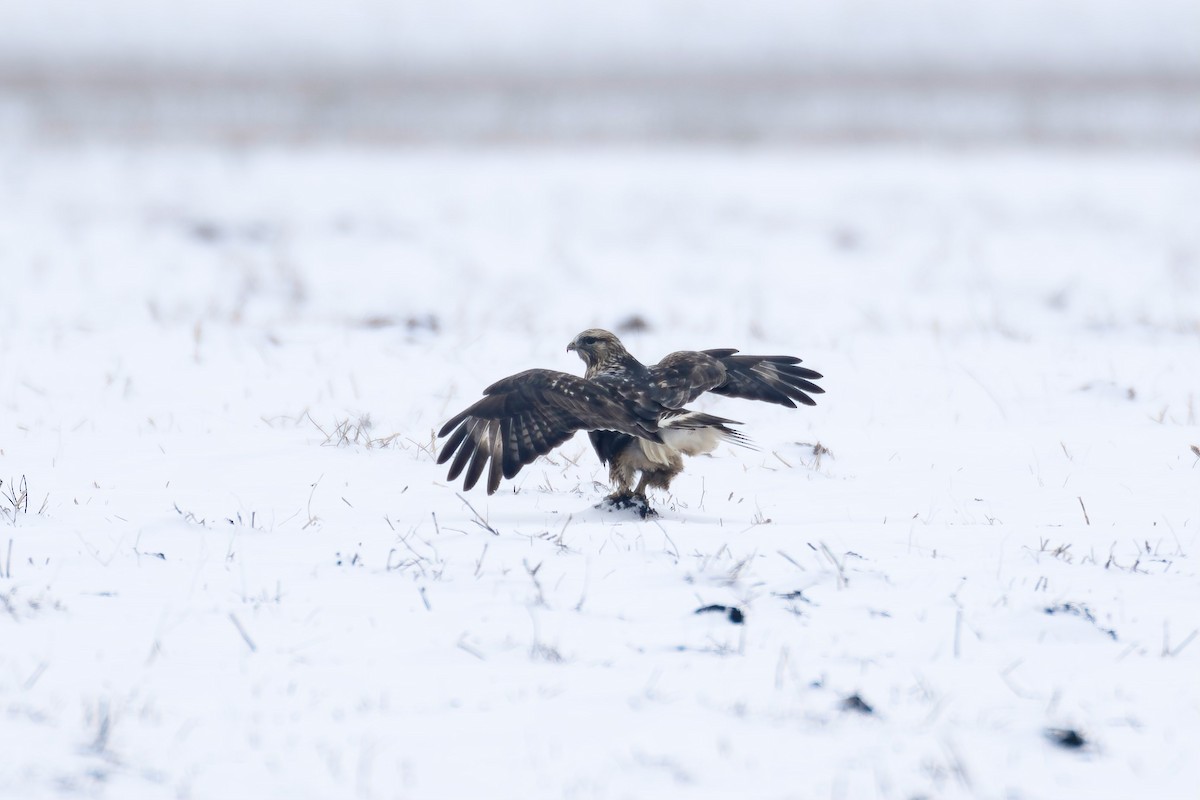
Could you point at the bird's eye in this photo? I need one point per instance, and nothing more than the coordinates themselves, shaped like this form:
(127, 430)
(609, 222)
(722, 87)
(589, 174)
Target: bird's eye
(589, 340)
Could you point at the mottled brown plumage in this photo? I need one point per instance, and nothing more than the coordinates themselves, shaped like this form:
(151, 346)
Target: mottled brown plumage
(634, 414)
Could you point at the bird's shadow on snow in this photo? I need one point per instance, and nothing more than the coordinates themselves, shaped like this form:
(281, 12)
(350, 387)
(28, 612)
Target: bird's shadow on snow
(599, 514)
(604, 511)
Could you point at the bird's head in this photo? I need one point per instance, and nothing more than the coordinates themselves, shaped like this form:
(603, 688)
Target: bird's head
(597, 346)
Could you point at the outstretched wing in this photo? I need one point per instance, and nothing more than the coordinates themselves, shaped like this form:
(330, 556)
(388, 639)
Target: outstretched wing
(773, 379)
(527, 415)
(682, 377)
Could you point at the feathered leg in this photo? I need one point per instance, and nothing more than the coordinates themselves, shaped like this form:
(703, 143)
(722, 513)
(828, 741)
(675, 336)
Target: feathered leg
(621, 474)
(654, 479)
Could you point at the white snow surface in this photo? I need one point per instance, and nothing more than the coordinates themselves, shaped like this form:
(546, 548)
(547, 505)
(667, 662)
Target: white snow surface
(238, 571)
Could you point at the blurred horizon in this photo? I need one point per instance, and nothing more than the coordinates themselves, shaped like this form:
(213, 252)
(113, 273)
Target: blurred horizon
(1065, 72)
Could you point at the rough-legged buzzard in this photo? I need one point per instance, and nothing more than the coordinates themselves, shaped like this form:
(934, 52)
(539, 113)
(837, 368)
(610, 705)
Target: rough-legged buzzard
(634, 414)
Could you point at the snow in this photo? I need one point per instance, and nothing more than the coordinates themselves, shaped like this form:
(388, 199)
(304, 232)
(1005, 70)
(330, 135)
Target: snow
(240, 573)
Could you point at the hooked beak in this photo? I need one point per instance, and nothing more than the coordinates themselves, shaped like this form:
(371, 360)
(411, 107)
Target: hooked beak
(571, 347)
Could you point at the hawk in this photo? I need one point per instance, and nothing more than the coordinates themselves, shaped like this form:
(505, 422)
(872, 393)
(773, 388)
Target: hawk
(635, 415)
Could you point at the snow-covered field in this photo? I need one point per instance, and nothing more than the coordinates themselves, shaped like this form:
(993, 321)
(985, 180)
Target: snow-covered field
(229, 566)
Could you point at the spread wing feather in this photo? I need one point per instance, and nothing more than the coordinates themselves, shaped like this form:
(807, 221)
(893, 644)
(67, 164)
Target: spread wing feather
(682, 377)
(773, 379)
(527, 415)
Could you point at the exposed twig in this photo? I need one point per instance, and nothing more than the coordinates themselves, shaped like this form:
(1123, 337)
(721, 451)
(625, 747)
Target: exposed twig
(841, 574)
(479, 520)
(245, 636)
(790, 560)
(103, 729)
(667, 536)
(1179, 648)
(462, 645)
(533, 571)
(311, 519)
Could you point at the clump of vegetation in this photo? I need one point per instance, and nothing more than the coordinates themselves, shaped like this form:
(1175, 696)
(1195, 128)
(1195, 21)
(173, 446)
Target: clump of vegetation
(14, 500)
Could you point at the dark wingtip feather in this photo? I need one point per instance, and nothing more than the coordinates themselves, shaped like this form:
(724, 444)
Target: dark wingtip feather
(774, 390)
(451, 423)
(465, 450)
(452, 444)
(483, 451)
(478, 461)
(510, 450)
(494, 477)
(797, 392)
(772, 379)
(794, 371)
(497, 458)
